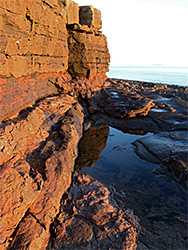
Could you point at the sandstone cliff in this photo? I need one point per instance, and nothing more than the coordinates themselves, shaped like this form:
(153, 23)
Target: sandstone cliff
(52, 53)
(43, 44)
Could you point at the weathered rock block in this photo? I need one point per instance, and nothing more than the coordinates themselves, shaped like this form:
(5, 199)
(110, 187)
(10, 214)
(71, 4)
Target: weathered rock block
(88, 55)
(26, 134)
(115, 101)
(72, 11)
(91, 17)
(88, 219)
(17, 192)
(37, 154)
(33, 37)
(30, 235)
(17, 94)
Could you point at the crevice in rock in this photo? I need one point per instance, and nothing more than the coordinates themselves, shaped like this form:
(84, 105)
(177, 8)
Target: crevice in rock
(37, 220)
(47, 4)
(32, 54)
(151, 152)
(16, 229)
(88, 73)
(8, 10)
(28, 17)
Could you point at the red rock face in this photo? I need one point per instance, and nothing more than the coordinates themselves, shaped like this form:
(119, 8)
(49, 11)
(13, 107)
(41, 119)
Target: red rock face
(37, 50)
(38, 146)
(88, 55)
(38, 150)
(18, 191)
(88, 219)
(19, 93)
(33, 37)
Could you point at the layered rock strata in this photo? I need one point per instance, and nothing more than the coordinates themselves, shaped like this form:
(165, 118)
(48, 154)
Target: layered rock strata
(37, 40)
(38, 147)
(53, 54)
(33, 37)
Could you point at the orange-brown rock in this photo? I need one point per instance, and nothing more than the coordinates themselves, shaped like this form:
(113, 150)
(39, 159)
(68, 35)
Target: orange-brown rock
(116, 101)
(38, 150)
(41, 121)
(58, 169)
(34, 37)
(19, 93)
(88, 55)
(72, 11)
(25, 134)
(18, 191)
(35, 51)
(88, 219)
(30, 235)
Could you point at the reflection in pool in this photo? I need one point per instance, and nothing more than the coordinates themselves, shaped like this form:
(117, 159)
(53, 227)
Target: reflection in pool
(159, 202)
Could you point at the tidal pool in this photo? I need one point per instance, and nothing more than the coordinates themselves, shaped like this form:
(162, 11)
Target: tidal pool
(107, 154)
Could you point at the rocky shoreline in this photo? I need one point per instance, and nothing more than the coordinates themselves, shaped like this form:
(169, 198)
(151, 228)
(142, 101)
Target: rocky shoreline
(54, 60)
(140, 107)
(38, 171)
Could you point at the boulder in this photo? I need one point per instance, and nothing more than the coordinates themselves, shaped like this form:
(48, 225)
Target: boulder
(89, 219)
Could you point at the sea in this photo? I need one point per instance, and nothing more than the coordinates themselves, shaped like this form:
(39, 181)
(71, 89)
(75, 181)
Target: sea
(155, 74)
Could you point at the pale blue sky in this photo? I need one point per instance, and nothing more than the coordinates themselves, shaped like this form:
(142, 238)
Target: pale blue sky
(145, 32)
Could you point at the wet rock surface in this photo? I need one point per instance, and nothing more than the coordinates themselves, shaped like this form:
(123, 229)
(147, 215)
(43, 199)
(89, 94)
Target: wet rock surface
(90, 219)
(136, 107)
(155, 198)
(170, 149)
(115, 101)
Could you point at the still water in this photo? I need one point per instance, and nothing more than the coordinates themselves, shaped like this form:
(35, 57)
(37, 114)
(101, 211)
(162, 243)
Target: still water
(160, 203)
(168, 75)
